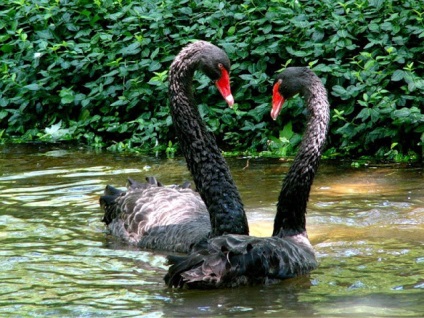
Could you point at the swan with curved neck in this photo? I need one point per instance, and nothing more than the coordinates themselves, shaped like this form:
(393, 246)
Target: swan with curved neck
(234, 260)
(175, 218)
(204, 159)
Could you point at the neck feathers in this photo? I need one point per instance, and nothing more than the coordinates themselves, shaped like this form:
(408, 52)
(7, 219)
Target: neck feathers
(294, 195)
(204, 159)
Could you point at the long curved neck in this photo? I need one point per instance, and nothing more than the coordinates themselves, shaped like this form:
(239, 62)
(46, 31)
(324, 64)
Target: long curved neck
(291, 207)
(204, 159)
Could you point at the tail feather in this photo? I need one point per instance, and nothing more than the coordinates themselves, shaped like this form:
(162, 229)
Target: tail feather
(134, 185)
(108, 203)
(186, 185)
(112, 191)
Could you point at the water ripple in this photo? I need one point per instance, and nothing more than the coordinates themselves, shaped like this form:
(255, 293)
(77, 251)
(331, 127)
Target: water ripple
(57, 259)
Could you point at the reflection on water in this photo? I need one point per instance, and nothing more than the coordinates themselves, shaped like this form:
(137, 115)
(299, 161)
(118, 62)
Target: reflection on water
(56, 258)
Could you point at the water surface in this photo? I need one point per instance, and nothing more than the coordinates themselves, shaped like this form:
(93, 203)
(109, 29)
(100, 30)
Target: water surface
(56, 258)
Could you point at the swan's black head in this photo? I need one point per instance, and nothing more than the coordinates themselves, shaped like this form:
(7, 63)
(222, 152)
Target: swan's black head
(215, 63)
(211, 59)
(291, 81)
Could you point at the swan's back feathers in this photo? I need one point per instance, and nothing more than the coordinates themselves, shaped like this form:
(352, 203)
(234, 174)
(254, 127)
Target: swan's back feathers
(109, 200)
(236, 260)
(153, 216)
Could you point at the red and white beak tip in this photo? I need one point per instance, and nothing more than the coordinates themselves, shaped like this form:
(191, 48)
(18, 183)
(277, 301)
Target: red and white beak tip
(275, 112)
(230, 100)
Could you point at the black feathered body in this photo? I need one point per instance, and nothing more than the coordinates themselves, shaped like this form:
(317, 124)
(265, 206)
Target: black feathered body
(238, 260)
(152, 216)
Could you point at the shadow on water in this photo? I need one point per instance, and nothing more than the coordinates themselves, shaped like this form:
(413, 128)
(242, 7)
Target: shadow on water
(56, 258)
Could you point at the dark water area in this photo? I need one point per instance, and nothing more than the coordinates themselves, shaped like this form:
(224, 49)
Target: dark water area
(57, 259)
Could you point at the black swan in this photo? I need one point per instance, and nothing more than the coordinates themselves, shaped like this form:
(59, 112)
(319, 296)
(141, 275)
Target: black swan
(235, 260)
(174, 218)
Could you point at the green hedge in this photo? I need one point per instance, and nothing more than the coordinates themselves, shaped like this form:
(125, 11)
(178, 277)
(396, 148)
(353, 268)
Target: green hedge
(96, 71)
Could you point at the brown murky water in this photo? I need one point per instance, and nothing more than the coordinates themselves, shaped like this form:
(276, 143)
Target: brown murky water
(56, 259)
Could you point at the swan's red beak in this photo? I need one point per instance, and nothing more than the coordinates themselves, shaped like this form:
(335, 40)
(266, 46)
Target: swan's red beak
(223, 85)
(277, 101)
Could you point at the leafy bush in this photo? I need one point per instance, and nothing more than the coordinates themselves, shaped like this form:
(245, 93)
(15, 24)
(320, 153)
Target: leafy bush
(96, 71)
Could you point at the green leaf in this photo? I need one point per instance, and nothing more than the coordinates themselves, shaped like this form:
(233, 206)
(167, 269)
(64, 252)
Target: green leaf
(120, 102)
(3, 114)
(287, 131)
(67, 96)
(131, 49)
(342, 33)
(186, 11)
(340, 92)
(266, 29)
(297, 53)
(364, 114)
(32, 87)
(369, 64)
(403, 112)
(154, 66)
(411, 86)
(111, 73)
(7, 48)
(376, 3)
(398, 75)
(374, 27)
(84, 115)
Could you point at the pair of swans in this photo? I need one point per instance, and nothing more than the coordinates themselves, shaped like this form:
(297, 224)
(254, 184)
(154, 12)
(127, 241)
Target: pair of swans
(210, 225)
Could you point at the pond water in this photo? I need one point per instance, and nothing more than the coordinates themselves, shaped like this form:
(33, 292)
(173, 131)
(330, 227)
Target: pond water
(56, 259)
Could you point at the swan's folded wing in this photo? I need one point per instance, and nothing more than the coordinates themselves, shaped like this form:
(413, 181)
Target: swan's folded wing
(153, 216)
(235, 260)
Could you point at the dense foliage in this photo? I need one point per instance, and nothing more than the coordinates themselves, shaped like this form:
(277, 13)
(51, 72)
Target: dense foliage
(96, 71)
